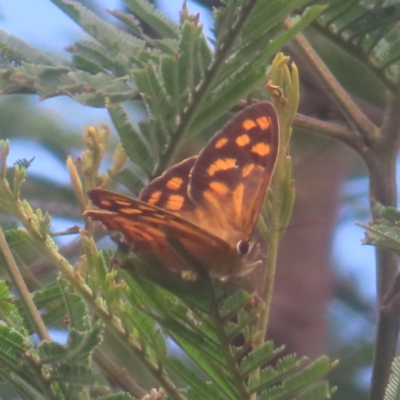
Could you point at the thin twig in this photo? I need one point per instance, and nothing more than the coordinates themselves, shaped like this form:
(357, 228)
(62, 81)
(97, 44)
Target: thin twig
(391, 121)
(330, 129)
(32, 312)
(44, 266)
(381, 162)
(117, 374)
(328, 82)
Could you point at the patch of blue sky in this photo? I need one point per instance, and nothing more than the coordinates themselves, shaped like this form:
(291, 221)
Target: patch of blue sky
(352, 259)
(351, 325)
(45, 164)
(362, 377)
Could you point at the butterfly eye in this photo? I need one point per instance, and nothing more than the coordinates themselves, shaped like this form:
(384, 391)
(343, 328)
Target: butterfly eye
(242, 247)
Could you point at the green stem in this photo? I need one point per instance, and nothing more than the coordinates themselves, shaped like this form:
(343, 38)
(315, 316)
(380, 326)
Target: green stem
(31, 311)
(116, 373)
(281, 209)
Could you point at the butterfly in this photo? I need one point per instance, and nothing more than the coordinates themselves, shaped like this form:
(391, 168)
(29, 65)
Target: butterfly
(209, 203)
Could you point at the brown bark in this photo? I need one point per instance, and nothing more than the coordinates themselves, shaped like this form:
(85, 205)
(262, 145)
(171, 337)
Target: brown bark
(304, 279)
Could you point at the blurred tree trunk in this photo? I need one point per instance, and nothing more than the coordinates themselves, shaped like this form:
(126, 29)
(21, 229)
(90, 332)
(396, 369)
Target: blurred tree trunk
(304, 278)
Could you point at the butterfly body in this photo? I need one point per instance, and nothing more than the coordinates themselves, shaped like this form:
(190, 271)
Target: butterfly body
(208, 203)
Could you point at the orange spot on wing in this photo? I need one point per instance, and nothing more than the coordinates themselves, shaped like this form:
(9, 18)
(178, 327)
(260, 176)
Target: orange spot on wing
(248, 124)
(153, 199)
(242, 140)
(238, 199)
(221, 143)
(105, 203)
(219, 187)
(222, 164)
(210, 197)
(174, 183)
(175, 202)
(247, 169)
(263, 122)
(121, 202)
(262, 149)
(129, 211)
(155, 233)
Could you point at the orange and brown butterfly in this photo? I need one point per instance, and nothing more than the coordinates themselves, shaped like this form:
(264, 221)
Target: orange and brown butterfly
(209, 203)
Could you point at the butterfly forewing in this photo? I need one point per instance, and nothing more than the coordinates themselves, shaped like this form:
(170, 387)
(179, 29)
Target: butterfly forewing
(231, 175)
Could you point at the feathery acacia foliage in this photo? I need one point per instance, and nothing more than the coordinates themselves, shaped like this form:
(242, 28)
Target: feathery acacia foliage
(367, 30)
(186, 86)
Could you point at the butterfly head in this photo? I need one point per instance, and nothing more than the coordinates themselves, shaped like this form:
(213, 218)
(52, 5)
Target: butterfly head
(242, 258)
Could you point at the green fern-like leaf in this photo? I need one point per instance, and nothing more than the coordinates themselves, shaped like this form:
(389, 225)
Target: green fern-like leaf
(319, 391)
(272, 375)
(147, 330)
(135, 145)
(94, 58)
(167, 46)
(73, 374)
(52, 352)
(13, 49)
(101, 86)
(76, 309)
(159, 22)
(13, 345)
(25, 390)
(14, 238)
(47, 294)
(299, 382)
(259, 357)
(160, 110)
(81, 344)
(8, 310)
(105, 33)
(385, 232)
(366, 30)
(197, 386)
(393, 388)
(204, 336)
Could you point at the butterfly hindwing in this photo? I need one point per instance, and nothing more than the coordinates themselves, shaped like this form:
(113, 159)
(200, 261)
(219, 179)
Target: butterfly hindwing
(146, 227)
(170, 190)
(136, 213)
